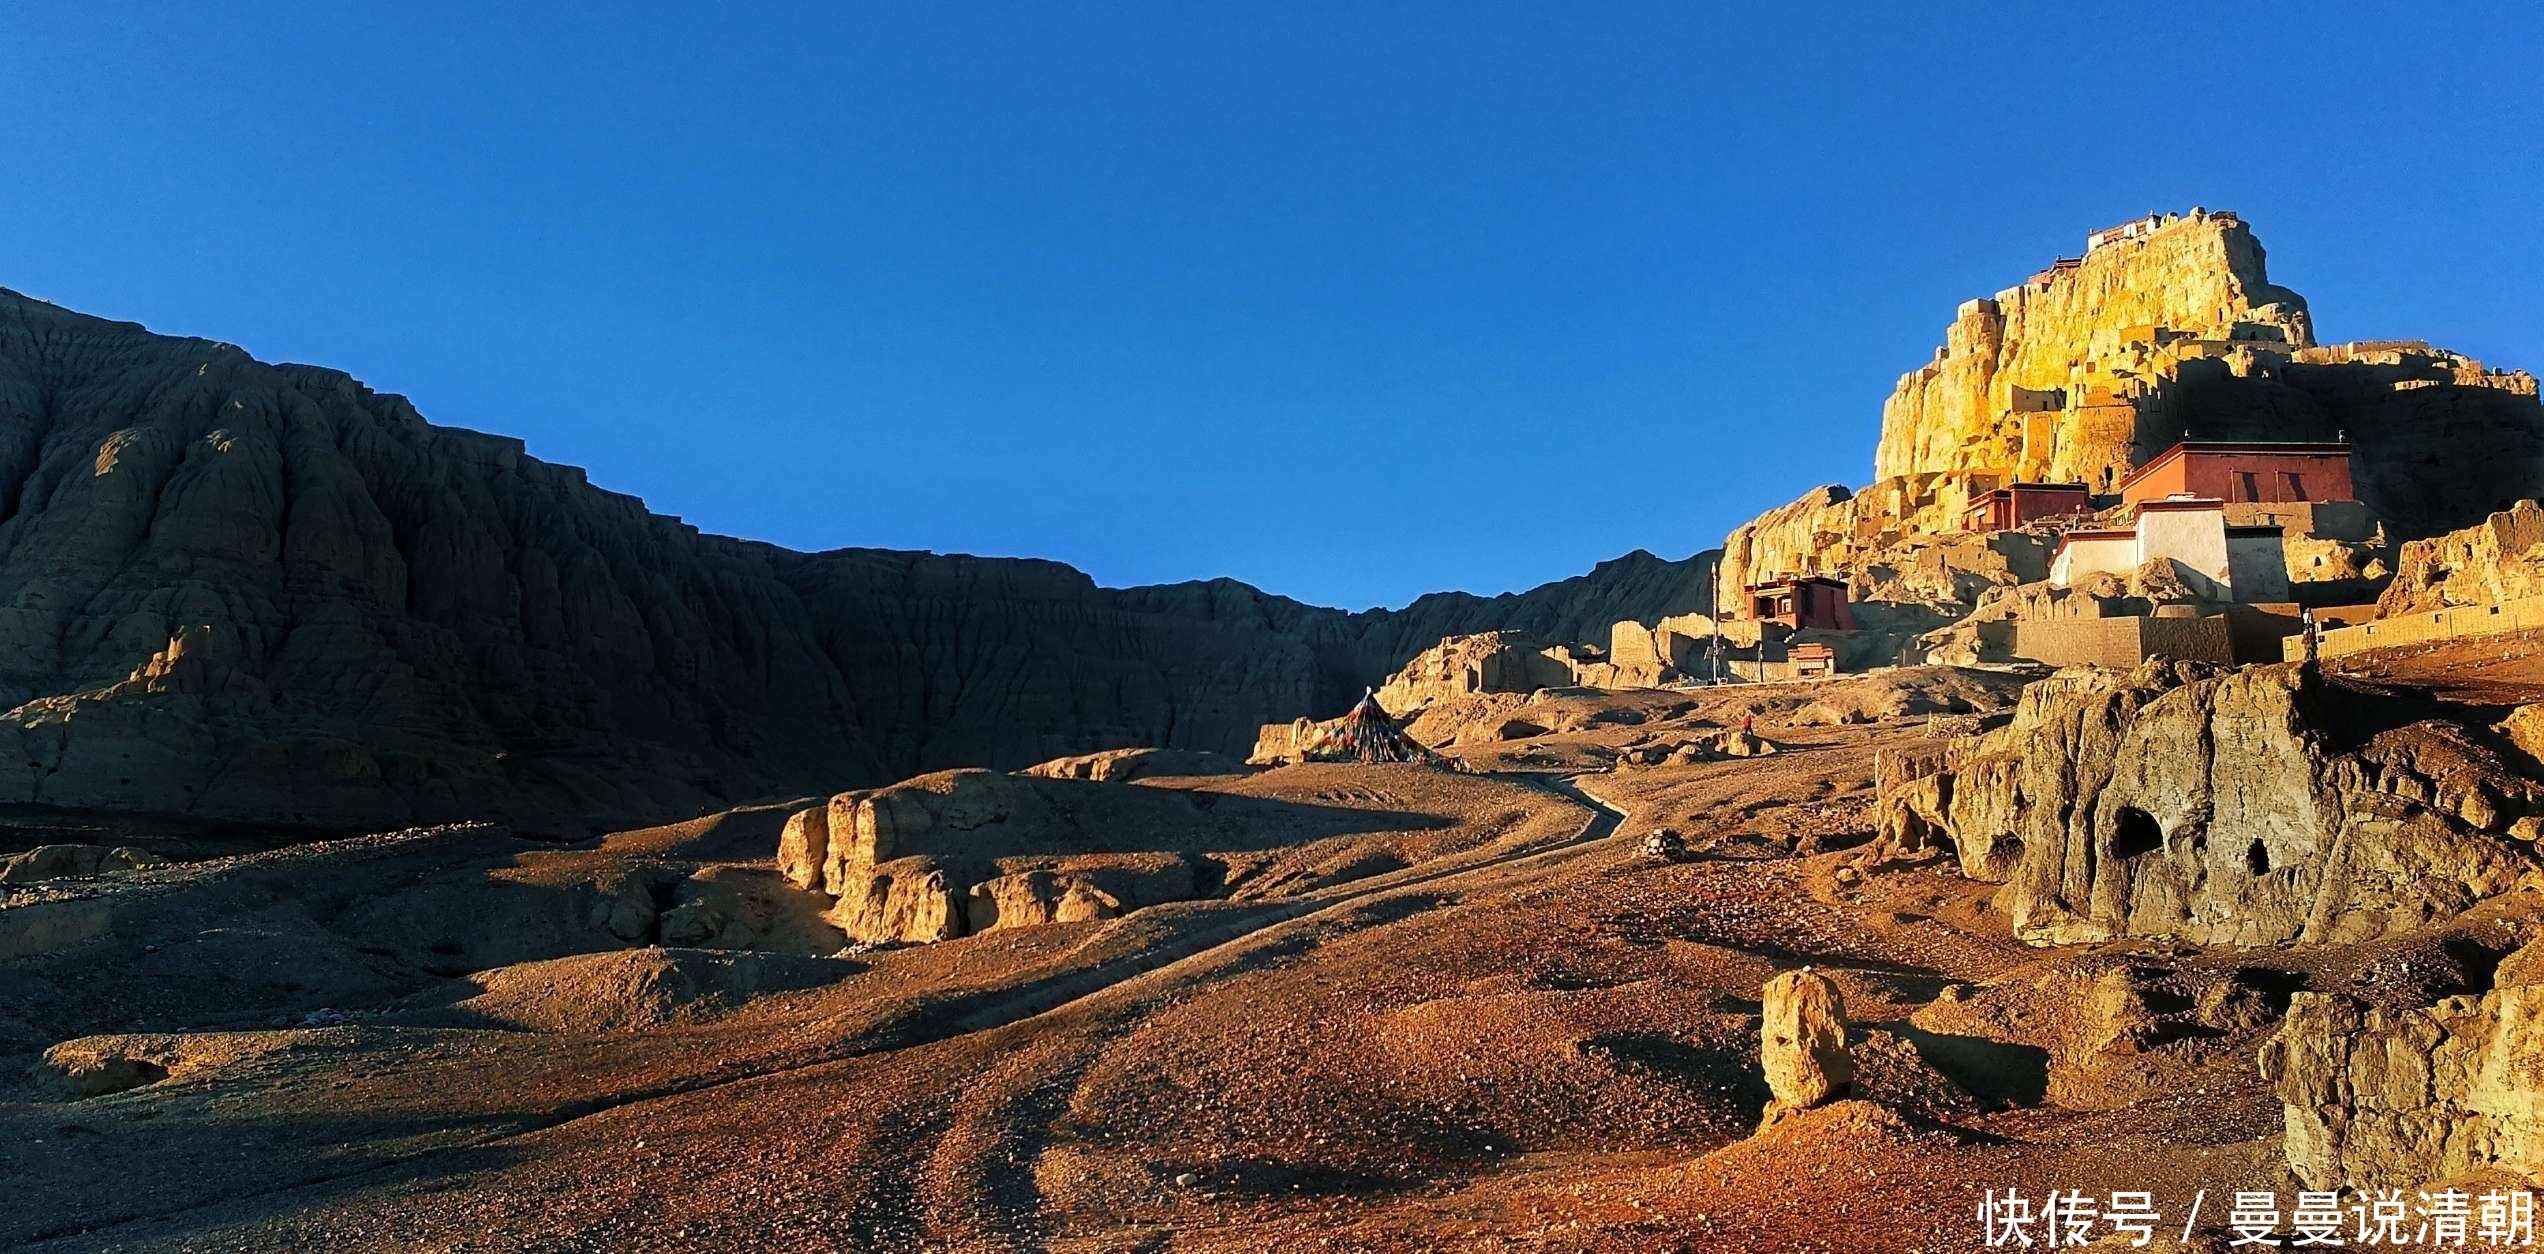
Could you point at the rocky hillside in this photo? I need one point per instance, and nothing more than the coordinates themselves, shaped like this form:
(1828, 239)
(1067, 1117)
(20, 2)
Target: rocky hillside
(2498, 559)
(2097, 363)
(236, 589)
(2254, 807)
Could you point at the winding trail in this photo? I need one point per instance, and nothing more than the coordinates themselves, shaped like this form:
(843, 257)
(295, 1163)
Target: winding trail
(1110, 997)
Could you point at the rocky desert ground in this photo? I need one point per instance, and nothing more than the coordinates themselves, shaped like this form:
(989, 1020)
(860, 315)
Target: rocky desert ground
(409, 845)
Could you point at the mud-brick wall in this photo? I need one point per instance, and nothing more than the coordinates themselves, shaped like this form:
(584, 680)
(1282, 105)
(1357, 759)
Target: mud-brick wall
(2124, 642)
(2425, 626)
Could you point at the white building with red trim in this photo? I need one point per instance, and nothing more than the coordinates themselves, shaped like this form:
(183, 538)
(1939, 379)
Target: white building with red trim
(2215, 560)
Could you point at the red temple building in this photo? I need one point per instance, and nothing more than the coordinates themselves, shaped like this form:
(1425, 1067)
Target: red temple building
(1803, 602)
(2243, 471)
(2015, 504)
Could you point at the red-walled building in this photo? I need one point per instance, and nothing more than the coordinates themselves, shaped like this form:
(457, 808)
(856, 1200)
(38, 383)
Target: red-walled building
(1808, 601)
(2015, 504)
(2232, 472)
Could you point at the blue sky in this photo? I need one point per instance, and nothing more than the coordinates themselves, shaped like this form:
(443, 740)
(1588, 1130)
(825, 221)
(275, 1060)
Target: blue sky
(1180, 291)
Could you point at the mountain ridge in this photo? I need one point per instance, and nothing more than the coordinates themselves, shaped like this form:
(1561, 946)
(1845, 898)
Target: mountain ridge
(292, 598)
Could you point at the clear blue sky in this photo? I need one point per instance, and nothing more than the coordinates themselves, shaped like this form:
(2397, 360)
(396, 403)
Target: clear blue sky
(1172, 292)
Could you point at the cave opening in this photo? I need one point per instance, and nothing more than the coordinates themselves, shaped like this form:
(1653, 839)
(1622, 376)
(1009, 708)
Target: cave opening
(2135, 833)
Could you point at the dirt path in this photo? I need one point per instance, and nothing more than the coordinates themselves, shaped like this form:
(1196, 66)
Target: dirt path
(1099, 1002)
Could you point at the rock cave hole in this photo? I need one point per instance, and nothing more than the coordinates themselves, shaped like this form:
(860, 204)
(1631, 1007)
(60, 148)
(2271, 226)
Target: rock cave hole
(2257, 858)
(2135, 833)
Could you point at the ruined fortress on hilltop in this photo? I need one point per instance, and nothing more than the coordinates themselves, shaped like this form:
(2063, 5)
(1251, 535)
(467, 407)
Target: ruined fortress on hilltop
(2167, 328)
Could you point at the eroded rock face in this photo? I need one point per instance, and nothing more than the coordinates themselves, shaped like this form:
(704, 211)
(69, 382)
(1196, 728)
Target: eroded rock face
(271, 593)
(1802, 1041)
(803, 848)
(2247, 808)
(1079, 890)
(2201, 275)
(2498, 559)
(1462, 666)
(961, 852)
(2452, 1092)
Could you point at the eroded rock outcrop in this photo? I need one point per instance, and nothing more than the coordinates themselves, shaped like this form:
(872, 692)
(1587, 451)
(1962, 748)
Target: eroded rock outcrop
(275, 594)
(2023, 377)
(961, 852)
(2498, 559)
(1462, 666)
(2244, 808)
(2448, 1093)
(1802, 1042)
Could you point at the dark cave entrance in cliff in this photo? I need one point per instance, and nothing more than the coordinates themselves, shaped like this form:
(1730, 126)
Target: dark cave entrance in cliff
(2135, 833)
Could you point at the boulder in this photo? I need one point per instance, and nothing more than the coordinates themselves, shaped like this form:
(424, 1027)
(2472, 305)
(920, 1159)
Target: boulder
(1802, 1042)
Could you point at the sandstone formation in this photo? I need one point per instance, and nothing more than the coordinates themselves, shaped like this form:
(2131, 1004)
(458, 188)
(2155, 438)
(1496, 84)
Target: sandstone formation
(275, 594)
(2162, 330)
(2039, 381)
(2498, 559)
(2253, 807)
(1802, 1042)
(961, 852)
(2416, 1097)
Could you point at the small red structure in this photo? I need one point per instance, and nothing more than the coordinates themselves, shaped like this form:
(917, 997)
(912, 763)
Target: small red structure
(2015, 504)
(2243, 471)
(1800, 602)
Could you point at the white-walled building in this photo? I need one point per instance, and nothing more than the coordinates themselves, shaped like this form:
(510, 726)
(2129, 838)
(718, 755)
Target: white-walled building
(2219, 562)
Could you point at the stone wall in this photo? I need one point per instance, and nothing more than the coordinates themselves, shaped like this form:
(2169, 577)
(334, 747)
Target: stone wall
(2124, 642)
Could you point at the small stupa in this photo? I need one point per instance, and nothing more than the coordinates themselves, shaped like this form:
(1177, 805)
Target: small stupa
(1365, 734)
